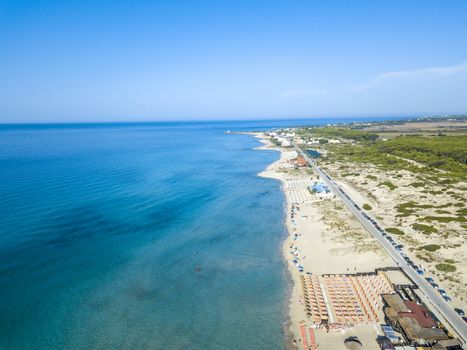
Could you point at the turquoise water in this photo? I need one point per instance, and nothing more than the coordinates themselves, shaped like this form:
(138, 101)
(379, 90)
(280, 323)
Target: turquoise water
(102, 227)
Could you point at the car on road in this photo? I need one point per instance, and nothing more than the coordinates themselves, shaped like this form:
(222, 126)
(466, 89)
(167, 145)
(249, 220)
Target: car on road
(445, 297)
(432, 282)
(459, 311)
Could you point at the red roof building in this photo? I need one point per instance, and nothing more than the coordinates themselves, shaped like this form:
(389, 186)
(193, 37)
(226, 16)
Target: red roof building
(300, 161)
(419, 314)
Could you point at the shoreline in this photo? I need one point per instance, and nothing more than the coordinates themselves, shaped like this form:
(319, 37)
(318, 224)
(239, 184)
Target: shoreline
(287, 322)
(323, 247)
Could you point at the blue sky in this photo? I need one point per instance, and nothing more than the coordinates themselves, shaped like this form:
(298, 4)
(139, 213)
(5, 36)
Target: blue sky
(181, 60)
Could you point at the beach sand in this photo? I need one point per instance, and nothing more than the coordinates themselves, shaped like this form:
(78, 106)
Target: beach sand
(363, 184)
(330, 240)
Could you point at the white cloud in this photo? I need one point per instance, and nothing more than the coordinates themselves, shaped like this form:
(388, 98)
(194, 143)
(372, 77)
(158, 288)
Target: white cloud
(404, 75)
(425, 90)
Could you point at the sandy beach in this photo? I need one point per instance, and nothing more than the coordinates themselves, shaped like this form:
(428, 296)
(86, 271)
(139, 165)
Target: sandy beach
(328, 240)
(363, 184)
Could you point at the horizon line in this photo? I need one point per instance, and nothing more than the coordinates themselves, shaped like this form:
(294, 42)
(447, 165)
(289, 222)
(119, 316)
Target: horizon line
(402, 116)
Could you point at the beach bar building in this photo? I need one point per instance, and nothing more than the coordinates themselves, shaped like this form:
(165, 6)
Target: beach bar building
(412, 320)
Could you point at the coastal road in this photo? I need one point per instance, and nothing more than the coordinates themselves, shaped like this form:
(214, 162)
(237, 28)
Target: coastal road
(456, 323)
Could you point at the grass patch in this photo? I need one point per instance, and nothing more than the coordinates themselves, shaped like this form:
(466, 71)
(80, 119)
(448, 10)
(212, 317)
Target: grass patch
(440, 211)
(349, 174)
(417, 184)
(407, 209)
(371, 177)
(423, 257)
(446, 267)
(430, 247)
(425, 229)
(395, 231)
(445, 219)
(367, 206)
(435, 192)
(405, 206)
(388, 184)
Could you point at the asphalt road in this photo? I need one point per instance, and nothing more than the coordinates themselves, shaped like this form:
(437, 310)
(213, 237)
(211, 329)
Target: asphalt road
(455, 322)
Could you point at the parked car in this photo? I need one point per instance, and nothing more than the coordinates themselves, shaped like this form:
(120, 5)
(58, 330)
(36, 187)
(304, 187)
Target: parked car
(432, 282)
(445, 297)
(459, 311)
(442, 292)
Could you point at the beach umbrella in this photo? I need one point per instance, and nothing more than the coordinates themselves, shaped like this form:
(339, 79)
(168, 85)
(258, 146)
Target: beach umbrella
(353, 343)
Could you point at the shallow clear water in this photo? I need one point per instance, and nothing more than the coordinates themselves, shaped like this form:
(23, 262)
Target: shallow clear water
(102, 226)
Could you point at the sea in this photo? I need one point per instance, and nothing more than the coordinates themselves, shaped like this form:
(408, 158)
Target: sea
(141, 236)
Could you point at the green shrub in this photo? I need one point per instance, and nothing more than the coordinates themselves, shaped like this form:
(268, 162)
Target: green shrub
(426, 229)
(445, 219)
(446, 267)
(446, 153)
(440, 211)
(367, 206)
(388, 184)
(430, 247)
(395, 231)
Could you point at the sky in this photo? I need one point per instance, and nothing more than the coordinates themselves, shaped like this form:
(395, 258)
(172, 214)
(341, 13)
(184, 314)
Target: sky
(87, 60)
